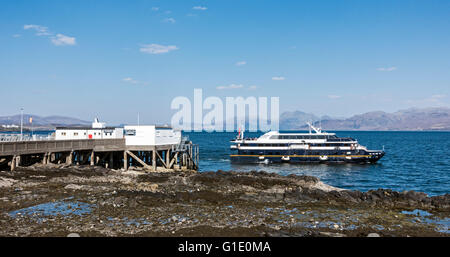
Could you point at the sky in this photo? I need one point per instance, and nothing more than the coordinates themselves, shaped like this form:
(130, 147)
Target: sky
(114, 59)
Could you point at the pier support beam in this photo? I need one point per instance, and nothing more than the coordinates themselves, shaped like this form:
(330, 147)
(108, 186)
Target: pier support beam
(92, 158)
(174, 160)
(13, 163)
(154, 159)
(18, 160)
(69, 158)
(168, 158)
(138, 160)
(161, 159)
(111, 160)
(125, 160)
(44, 160)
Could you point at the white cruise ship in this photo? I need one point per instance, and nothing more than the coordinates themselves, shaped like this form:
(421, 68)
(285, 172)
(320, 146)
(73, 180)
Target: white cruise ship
(313, 147)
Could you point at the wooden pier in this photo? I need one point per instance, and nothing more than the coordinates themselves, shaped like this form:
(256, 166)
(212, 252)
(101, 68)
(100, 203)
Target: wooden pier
(109, 153)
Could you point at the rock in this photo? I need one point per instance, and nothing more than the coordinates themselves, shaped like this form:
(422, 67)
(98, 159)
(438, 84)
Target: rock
(73, 235)
(73, 187)
(373, 235)
(6, 182)
(331, 234)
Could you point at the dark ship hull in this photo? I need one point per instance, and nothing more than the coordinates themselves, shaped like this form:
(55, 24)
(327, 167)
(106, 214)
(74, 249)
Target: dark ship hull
(306, 157)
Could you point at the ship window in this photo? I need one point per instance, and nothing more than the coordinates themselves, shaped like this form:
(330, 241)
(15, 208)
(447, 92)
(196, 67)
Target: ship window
(75, 133)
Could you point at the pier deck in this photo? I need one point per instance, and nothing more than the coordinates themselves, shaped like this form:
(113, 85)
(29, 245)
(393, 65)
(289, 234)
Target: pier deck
(112, 153)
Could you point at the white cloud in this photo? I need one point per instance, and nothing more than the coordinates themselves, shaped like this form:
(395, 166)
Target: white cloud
(200, 8)
(334, 96)
(168, 12)
(62, 40)
(393, 68)
(231, 86)
(434, 100)
(169, 20)
(130, 80)
(16, 35)
(438, 96)
(278, 78)
(155, 9)
(40, 30)
(241, 63)
(58, 39)
(253, 87)
(157, 49)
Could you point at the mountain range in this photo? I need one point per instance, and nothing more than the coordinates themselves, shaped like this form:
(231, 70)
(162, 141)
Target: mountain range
(409, 119)
(413, 119)
(49, 122)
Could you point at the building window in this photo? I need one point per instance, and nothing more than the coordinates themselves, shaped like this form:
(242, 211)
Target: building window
(130, 132)
(63, 133)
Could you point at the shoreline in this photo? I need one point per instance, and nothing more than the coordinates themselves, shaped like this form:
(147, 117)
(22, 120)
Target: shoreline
(56, 200)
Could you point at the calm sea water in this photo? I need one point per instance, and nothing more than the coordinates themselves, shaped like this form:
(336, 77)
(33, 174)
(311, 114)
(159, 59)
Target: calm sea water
(413, 161)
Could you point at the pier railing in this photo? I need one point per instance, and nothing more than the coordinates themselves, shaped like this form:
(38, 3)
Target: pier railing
(35, 147)
(26, 137)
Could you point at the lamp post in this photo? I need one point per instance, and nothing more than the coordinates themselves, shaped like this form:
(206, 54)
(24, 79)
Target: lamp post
(21, 124)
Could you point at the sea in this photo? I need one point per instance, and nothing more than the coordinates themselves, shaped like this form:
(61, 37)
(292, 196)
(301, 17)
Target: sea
(414, 161)
(417, 161)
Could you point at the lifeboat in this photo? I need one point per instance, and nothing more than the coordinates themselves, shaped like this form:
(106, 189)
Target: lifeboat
(285, 158)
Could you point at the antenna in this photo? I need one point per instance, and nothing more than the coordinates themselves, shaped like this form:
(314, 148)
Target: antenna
(317, 130)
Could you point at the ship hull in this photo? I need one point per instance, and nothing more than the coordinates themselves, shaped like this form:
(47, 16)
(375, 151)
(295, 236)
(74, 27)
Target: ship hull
(307, 158)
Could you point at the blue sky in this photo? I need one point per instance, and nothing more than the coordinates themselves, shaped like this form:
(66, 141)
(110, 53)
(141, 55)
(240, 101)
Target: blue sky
(113, 59)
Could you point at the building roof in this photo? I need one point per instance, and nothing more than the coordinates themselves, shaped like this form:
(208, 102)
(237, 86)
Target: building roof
(83, 128)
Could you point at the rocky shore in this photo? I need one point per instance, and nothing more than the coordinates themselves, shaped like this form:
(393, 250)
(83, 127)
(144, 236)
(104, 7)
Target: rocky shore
(62, 200)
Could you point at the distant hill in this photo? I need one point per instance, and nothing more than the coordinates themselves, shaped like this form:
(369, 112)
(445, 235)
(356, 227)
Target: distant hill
(296, 119)
(49, 122)
(410, 119)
